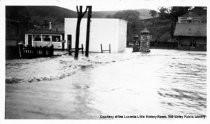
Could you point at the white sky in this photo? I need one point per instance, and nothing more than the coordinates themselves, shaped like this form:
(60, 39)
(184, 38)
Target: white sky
(103, 5)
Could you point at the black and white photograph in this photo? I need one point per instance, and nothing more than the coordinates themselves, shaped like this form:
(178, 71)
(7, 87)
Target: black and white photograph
(104, 60)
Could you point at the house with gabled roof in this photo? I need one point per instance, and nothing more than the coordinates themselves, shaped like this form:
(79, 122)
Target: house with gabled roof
(44, 36)
(191, 31)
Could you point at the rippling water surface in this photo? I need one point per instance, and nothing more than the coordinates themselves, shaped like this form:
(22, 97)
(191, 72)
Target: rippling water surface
(160, 82)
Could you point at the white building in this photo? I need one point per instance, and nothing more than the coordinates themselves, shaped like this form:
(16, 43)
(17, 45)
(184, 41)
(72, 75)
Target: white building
(103, 31)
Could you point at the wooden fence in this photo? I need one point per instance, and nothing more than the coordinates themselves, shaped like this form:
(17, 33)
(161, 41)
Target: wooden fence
(33, 52)
(109, 50)
(71, 50)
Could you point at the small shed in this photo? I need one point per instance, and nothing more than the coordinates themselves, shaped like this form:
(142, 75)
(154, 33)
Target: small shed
(191, 35)
(103, 31)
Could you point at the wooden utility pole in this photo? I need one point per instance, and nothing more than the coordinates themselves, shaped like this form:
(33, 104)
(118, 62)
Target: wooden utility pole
(88, 30)
(80, 15)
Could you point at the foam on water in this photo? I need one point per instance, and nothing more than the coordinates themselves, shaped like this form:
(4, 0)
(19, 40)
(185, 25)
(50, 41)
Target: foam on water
(161, 82)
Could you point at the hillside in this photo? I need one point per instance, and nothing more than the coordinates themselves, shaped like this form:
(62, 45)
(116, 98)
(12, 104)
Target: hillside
(19, 19)
(144, 14)
(35, 15)
(103, 14)
(22, 18)
(159, 28)
(38, 13)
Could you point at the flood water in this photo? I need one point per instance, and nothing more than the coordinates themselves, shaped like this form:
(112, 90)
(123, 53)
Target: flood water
(161, 82)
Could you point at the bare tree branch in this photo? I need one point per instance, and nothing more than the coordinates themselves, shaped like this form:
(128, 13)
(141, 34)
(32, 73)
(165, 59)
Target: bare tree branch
(84, 12)
(77, 9)
(80, 9)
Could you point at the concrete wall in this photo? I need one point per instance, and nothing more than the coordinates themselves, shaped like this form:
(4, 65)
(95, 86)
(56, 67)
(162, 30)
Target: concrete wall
(122, 35)
(102, 31)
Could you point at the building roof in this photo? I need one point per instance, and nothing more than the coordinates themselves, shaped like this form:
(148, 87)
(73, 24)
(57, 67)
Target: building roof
(136, 35)
(200, 10)
(190, 14)
(145, 31)
(190, 29)
(44, 31)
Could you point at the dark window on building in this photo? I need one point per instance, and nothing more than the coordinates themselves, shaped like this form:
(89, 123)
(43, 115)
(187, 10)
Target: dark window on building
(46, 37)
(56, 38)
(37, 37)
(189, 21)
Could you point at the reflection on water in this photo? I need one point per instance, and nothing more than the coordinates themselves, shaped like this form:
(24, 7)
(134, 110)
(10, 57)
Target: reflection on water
(160, 82)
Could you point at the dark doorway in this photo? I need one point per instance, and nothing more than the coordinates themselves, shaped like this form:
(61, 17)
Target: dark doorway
(69, 41)
(63, 42)
(30, 40)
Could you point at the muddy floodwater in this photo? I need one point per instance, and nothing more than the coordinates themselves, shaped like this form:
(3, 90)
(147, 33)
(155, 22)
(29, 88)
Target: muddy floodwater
(161, 82)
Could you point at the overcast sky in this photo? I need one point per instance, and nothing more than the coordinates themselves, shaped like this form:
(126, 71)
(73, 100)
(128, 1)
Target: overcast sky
(108, 5)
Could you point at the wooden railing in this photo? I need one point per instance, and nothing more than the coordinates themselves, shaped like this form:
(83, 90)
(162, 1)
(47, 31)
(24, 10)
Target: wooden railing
(33, 52)
(71, 50)
(109, 50)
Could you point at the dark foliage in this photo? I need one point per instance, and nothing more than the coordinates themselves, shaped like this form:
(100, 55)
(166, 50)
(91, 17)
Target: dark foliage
(19, 19)
(175, 12)
(164, 13)
(153, 13)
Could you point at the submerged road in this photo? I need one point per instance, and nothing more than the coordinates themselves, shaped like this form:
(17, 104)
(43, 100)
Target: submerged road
(162, 82)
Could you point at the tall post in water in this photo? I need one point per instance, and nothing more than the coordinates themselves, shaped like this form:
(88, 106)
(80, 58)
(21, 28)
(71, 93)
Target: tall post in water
(80, 15)
(88, 30)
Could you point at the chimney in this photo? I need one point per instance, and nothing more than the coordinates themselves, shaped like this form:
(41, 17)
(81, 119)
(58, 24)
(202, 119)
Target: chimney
(50, 25)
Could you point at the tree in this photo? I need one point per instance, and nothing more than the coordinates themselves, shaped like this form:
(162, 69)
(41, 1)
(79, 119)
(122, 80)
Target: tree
(164, 13)
(88, 30)
(172, 13)
(153, 13)
(175, 12)
(80, 15)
